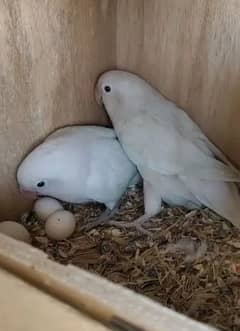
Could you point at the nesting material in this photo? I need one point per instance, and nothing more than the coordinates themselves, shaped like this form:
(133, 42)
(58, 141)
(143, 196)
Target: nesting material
(191, 264)
(15, 230)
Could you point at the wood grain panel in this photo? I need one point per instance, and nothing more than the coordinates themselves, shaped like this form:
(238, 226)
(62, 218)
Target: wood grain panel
(53, 50)
(190, 51)
(51, 53)
(24, 307)
(113, 305)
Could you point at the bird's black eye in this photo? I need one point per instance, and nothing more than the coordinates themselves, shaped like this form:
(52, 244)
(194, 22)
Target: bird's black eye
(40, 184)
(107, 89)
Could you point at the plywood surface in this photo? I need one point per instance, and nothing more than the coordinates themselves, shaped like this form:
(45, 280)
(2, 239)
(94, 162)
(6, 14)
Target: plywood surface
(24, 307)
(51, 54)
(190, 50)
(111, 304)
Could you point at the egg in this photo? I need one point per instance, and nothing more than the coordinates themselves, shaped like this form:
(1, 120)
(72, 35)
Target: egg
(15, 230)
(60, 225)
(44, 207)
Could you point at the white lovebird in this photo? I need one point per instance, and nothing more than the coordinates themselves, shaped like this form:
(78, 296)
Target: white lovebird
(79, 164)
(177, 161)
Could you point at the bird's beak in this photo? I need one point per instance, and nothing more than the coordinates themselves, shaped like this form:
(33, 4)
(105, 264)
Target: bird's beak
(98, 96)
(28, 194)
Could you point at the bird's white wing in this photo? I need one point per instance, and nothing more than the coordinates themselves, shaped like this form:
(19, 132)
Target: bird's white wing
(191, 131)
(164, 148)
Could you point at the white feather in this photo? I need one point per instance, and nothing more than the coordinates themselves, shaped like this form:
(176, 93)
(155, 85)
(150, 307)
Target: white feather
(79, 164)
(169, 149)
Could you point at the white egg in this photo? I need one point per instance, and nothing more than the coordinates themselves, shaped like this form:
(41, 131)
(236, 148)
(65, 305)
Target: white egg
(15, 230)
(60, 225)
(44, 207)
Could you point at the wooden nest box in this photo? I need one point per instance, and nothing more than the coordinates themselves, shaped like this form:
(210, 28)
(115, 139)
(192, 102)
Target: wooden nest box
(51, 55)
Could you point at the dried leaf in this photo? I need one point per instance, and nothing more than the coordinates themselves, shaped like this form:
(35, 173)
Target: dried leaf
(235, 244)
(42, 240)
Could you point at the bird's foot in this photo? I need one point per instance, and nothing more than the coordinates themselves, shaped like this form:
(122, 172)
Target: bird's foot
(101, 220)
(137, 224)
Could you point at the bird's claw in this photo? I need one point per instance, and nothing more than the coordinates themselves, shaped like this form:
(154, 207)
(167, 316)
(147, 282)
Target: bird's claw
(137, 224)
(101, 220)
(91, 225)
(104, 220)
